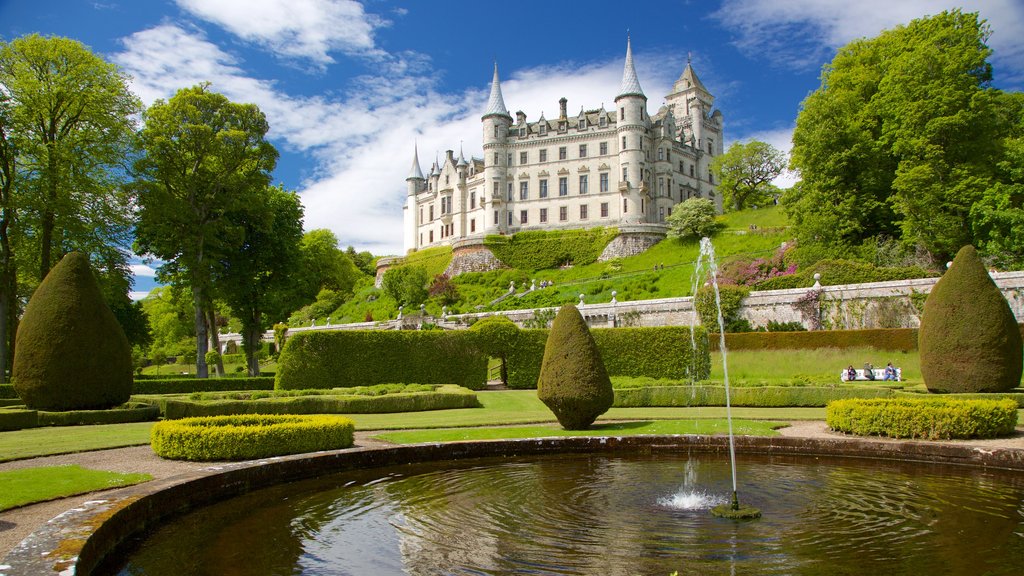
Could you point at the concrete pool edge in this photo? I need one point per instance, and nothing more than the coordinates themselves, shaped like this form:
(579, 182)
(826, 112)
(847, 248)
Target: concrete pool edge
(77, 541)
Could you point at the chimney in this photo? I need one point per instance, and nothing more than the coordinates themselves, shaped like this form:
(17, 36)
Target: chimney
(561, 108)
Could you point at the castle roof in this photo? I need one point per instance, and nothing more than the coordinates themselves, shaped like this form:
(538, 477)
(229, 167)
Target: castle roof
(496, 104)
(688, 79)
(630, 83)
(415, 171)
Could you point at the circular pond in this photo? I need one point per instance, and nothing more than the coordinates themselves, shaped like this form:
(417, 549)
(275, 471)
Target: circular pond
(592, 514)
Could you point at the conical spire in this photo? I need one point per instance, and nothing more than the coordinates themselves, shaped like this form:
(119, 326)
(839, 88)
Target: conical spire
(688, 79)
(462, 158)
(496, 104)
(415, 171)
(630, 83)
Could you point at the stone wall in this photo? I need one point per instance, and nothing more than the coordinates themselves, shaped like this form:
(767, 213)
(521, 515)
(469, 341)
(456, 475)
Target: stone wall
(472, 256)
(633, 240)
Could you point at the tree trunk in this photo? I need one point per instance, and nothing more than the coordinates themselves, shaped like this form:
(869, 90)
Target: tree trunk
(200, 326)
(211, 314)
(47, 223)
(252, 339)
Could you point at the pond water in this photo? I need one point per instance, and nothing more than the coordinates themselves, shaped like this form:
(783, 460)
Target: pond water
(601, 514)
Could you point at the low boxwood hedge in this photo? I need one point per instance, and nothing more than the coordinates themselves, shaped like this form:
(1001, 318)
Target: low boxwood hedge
(247, 437)
(134, 412)
(192, 384)
(7, 391)
(17, 418)
(755, 397)
(444, 398)
(927, 418)
(902, 339)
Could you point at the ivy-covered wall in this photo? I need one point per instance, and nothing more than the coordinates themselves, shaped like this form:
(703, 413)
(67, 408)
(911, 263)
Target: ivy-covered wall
(536, 250)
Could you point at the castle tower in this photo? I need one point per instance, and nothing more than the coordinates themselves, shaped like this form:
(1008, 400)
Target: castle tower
(631, 131)
(414, 184)
(691, 103)
(496, 122)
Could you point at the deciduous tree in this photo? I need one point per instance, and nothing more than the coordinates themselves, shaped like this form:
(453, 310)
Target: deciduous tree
(745, 173)
(694, 218)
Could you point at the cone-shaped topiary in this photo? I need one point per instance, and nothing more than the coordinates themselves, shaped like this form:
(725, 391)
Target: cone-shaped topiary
(573, 381)
(969, 340)
(71, 353)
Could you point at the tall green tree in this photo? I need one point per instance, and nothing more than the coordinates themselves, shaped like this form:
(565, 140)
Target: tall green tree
(256, 280)
(324, 266)
(693, 218)
(902, 138)
(205, 157)
(745, 173)
(8, 271)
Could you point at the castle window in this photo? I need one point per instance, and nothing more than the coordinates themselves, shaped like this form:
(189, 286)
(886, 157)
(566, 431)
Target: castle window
(495, 217)
(583, 184)
(496, 193)
(508, 195)
(431, 215)
(583, 212)
(431, 235)
(563, 186)
(625, 174)
(495, 131)
(583, 150)
(710, 143)
(421, 219)
(604, 182)
(510, 217)
(472, 200)
(669, 210)
(522, 132)
(691, 170)
(522, 157)
(544, 188)
(524, 190)
(604, 209)
(583, 124)
(472, 225)
(625, 205)
(544, 155)
(543, 128)
(603, 148)
(543, 215)
(421, 238)
(661, 214)
(622, 116)
(711, 177)
(522, 216)
(445, 179)
(495, 158)
(563, 213)
(602, 121)
(661, 186)
(681, 167)
(661, 153)
(508, 159)
(642, 210)
(562, 126)
(562, 153)
(623, 142)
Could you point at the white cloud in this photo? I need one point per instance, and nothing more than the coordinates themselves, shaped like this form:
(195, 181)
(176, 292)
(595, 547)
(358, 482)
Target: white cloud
(135, 296)
(804, 33)
(143, 270)
(303, 29)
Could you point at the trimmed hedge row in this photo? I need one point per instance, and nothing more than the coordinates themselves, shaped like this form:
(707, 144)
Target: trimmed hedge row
(192, 384)
(8, 391)
(931, 418)
(759, 397)
(19, 418)
(539, 249)
(881, 339)
(249, 436)
(447, 397)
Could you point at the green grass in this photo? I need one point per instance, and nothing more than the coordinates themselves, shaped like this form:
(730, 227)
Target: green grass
(31, 485)
(819, 366)
(745, 427)
(33, 442)
(769, 217)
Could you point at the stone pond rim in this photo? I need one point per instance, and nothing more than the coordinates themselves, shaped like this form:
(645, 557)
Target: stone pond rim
(82, 537)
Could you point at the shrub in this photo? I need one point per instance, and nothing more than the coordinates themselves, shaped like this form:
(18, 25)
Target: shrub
(71, 352)
(353, 358)
(693, 218)
(932, 418)
(880, 339)
(407, 285)
(758, 397)
(776, 326)
(186, 385)
(731, 298)
(7, 391)
(16, 419)
(134, 412)
(573, 381)
(969, 338)
(538, 250)
(250, 436)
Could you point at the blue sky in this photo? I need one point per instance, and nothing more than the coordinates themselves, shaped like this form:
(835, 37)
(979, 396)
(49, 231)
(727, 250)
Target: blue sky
(348, 87)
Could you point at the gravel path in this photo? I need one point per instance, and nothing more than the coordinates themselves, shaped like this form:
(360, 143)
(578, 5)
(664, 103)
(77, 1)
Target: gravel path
(18, 523)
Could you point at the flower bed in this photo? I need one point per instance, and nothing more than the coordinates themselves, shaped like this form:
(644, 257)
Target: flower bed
(250, 436)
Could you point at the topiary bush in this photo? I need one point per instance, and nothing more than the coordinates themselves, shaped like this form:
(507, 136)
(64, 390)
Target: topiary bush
(969, 339)
(573, 381)
(932, 418)
(249, 436)
(71, 353)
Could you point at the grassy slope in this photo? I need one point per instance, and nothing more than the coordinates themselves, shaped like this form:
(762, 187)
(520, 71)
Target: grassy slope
(30, 485)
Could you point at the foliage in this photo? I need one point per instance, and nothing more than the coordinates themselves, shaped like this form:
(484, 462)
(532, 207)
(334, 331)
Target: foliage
(355, 358)
(745, 271)
(539, 250)
(745, 173)
(407, 285)
(442, 289)
(729, 297)
(881, 339)
(18, 419)
(42, 483)
(185, 385)
(573, 381)
(903, 138)
(280, 337)
(969, 338)
(836, 271)
(205, 157)
(776, 326)
(71, 353)
(323, 266)
(249, 437)
(753, 396)
(541, 319)
(7, 391)
(363, 260)
(132, 412)
(693, 218)
(931, 419)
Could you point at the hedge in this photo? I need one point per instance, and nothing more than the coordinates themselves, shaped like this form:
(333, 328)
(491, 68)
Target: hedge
(360, 357)
(249, 436)
(930, 418)
(447, 397)
(540, 250)
(7, 391)
(902, 339)
(756, 397)
(836, 272)
(192, 384)
(16, 419)
(135, 412)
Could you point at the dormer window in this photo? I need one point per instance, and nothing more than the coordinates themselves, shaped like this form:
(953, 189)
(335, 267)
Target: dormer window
(562, 126)
(522, 132)
(543, 128)
(583, 124)
(603, 121)
(445, 179)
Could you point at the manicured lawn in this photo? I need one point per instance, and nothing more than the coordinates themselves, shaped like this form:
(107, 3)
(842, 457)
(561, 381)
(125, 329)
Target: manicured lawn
(821, 366)
(745, 427)
(21, 487)
(34, 442)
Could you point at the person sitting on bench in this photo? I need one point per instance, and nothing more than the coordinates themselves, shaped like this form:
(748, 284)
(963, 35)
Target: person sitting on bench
(851, 374)
(869, 371)
(890, 373)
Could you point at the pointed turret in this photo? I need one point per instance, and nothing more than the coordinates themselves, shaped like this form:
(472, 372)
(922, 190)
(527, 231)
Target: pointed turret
(496, 104)
(630, 83)
(415, 172)
(688, 79)
(462, 158)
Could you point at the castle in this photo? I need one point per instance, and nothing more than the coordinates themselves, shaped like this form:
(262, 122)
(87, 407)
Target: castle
(598, 168)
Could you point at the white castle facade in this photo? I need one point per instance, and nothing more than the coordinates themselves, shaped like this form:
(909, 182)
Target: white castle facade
(598, 168)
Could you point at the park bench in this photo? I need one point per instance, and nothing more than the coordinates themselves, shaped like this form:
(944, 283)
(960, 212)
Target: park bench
(879, 374)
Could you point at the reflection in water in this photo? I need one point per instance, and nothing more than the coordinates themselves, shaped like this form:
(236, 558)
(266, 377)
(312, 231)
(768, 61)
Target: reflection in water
(599, 514)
